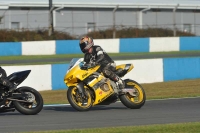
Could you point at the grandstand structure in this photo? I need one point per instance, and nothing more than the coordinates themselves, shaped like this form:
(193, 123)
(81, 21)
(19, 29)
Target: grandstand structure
(79, 17)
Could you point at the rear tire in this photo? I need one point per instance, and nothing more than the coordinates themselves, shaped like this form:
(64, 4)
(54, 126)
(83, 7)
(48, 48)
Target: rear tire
(133, 102)
(27, 108)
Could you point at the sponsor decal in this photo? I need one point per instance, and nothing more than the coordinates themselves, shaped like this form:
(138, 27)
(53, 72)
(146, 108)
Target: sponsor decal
(84, 75)
(100, 93)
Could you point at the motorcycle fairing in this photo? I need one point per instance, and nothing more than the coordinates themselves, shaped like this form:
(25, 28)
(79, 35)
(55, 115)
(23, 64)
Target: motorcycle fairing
(18, 77)
(101, 94)
(96, 81)
(123, 69)
(77, 73)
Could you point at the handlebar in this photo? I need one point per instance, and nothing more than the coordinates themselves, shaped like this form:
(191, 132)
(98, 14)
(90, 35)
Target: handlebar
(87, 66)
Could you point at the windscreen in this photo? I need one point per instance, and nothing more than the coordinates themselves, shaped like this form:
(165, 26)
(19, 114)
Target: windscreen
(74, 62)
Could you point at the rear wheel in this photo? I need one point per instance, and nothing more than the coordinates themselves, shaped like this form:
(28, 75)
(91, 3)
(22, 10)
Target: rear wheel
(133, 102)
(77, 101)
(34, 101)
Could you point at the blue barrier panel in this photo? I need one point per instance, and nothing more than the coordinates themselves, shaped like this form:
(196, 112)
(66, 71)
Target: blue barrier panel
(181, 68)
(67, 47)
(189, 43)
(10, 48)
(134, 45)
(58, 73)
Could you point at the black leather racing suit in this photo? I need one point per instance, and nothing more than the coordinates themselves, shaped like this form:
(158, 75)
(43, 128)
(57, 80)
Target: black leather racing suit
(99, 56)
(3, 79)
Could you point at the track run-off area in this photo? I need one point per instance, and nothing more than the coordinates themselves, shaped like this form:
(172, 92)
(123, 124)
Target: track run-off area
(63, 116)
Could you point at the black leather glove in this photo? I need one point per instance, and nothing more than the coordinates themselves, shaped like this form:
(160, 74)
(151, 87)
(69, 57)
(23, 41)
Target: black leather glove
(93, 64)
(84, 66)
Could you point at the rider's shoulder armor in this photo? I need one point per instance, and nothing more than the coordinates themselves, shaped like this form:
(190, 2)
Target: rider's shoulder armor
(97, 48)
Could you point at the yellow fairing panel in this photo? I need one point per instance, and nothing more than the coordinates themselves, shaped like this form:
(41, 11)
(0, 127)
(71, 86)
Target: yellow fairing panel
(125, 68)
(96, 80)
(77, 73)
(129, 67)
(101, 95)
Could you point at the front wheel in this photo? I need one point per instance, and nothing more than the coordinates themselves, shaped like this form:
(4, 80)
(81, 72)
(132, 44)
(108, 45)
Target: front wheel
(136, 101)
(77, 101)
(34, 101)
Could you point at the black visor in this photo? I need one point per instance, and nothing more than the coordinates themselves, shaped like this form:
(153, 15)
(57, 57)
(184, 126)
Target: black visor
(82, 46)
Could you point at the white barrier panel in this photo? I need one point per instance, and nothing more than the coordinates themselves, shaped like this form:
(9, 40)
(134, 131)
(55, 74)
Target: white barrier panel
(39, 48)
(145, 71)
(39, 78)
(109, 45)
(164, 44)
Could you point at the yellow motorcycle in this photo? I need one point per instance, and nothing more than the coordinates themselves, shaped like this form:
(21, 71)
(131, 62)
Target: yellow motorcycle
(88, 87)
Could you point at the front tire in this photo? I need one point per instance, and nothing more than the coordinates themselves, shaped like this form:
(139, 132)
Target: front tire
(77, 101)
(133, 102)
(33, 96)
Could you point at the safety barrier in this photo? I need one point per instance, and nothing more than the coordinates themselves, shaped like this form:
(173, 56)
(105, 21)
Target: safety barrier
(122, 45)
(50, 77)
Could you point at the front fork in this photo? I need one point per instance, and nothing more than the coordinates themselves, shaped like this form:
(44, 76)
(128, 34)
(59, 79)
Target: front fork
(81, 89)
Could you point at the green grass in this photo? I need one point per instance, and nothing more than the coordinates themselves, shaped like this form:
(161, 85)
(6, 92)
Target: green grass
(165, 128)
(81, 55)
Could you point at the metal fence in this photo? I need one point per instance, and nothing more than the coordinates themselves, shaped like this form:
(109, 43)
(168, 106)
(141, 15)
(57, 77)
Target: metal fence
(81, 22)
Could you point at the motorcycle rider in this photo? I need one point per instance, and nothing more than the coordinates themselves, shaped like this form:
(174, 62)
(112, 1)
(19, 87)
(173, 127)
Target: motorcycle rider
(94, 55)
(4, 81)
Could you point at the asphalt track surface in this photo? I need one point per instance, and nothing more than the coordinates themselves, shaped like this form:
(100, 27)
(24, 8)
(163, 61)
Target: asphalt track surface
(113, 115)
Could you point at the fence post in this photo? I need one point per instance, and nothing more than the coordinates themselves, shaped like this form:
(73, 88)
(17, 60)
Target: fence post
(174, 18)
(114, 31)
(51, 29)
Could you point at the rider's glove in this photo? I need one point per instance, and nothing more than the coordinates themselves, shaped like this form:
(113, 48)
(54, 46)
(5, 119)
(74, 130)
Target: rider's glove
(93, 64)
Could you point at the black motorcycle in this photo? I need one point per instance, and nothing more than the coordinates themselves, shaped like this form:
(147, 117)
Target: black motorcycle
(24, 99)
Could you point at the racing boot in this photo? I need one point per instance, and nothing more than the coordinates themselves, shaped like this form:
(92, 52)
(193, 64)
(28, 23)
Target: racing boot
(120, 83)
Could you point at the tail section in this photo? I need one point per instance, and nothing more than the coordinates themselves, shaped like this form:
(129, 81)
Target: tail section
(123, 69)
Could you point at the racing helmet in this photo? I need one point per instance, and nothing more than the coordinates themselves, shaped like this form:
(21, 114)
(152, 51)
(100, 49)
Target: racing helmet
(86, 43)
